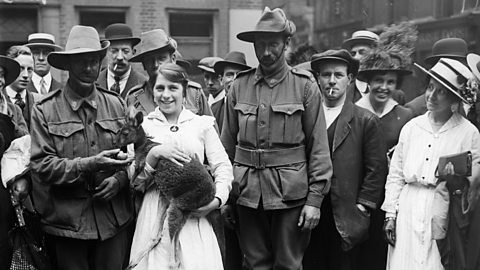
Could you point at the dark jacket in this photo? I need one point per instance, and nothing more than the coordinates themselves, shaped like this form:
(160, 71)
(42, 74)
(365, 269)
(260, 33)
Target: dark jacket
(218, 110)
(135, 78)
(30, 100)
(67, 131)
(417, 105)
(54, 85)
(359, 171)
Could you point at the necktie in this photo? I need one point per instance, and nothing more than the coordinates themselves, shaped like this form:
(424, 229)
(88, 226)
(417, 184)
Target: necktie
(43, 89)
(116, 86)
(19, 101)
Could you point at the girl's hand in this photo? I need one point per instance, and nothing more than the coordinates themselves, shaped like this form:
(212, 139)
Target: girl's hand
(204, 210)
(168, 152)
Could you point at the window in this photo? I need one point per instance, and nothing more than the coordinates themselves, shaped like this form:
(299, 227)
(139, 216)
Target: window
(17, 24)
(100, 18)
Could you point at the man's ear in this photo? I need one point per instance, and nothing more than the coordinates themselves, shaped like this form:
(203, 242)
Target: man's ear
(287, 42)
(350, 78)
(174, 58)
(134, 51)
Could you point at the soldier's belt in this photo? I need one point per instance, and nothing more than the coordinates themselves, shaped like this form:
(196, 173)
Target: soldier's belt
(264, 158)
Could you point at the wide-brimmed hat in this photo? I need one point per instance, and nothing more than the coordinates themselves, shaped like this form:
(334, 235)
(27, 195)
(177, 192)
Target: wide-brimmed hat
(153, 41)
(11, 69)
(454, 48)
(335, 55)
(233, 58)
(82, 39)
(452, 74)
(207, 63)
(120, 31)
(473, 61)
(42, 40)
(381, 62)
(361, 37)
(271, 21)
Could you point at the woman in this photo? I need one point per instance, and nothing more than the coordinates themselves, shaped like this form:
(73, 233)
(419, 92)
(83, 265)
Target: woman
(182, 135)
(411, 182)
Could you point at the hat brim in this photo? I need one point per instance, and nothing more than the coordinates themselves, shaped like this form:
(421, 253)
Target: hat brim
(207, 69)
(219, 67)
(134, 40)
(249, 36)
(48, 45)
(353, 68)
(60, 59)
(12, 69)
(139, 57)
(431, 60)
(349, 43)
(183, 63)
(441, 82)
(472, 61)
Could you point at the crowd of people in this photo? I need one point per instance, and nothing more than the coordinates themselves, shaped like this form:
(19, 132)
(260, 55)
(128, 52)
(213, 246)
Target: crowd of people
(321, 165)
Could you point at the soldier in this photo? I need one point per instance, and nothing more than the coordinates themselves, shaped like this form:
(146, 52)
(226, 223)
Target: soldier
(274, 132)
(156, 49)
(80, 185)
(120, 77)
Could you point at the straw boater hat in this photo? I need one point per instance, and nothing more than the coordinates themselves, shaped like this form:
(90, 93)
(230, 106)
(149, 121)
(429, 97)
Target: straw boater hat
(82, 39)
(452, 74)
(473, 61)
(42, 40)
(271, 21)
(335, 55)
(454, 48)
(11, 69)
(120, 32)
(233, 58)
(153, 41)
(361, 37)
(207, 63)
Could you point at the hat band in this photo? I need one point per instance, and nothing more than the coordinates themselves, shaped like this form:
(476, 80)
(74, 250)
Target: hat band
(41, 40)
(445, 81)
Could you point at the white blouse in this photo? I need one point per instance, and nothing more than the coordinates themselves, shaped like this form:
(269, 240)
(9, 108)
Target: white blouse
(418, 150)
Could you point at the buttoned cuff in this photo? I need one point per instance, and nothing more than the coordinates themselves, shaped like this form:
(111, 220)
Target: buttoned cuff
(367, 203)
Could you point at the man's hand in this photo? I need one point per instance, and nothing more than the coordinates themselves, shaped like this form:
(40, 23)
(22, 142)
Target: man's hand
(229, 216)
(107, 159)
(204, 210)
(20, 189)
(109, 187)
(389, 230)
(309, 217)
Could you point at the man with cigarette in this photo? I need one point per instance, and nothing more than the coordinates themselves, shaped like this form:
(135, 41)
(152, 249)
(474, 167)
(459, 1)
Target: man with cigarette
(120, 77)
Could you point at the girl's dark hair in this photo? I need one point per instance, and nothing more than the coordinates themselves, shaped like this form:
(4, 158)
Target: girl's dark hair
(174, 73)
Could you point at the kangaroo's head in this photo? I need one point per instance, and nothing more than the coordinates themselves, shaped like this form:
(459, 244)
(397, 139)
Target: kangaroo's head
(132, 131)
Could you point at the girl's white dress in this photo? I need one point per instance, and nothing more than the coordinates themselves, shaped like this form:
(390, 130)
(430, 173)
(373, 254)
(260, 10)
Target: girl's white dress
(410, 187)
(151, 247)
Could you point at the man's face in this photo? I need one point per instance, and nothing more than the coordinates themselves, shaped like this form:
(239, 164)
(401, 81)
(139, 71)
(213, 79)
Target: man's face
(229, 74)
(84, 68)
(269, 49)
(118, 54)
(40, 59)
(212, 83)
(26, 70)
(360, 51)
(2, 78)
(152, 61)
(333, 79)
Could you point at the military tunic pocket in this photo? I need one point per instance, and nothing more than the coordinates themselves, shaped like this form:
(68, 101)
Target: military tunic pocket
(293, 181)
(247, 121)
(68, 138)
(287, 127)
(110, 128)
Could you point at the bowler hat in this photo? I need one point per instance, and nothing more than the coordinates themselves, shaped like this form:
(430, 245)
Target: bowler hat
(271, 21)
(454, 48)
(11, 69)
(381, 61)
(82, 39)
(153, 41)
(336, 55)
(207, 63)
(233, 58)
(42, 40)
(452, 74)
(120, 31)
(361, 37)
(182, 62)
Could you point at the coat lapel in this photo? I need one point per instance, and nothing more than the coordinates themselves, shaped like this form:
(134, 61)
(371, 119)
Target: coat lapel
(102, 79)
(134, 79)
(343, 125)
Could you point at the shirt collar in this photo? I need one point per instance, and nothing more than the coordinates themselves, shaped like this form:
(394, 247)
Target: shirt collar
(219, 97)
(424, 122)
(12, 93)
(364, 102)
(123, 77)
(361, 86)
(273, 79)
(185, 115)
(36, 78)
(76, 101)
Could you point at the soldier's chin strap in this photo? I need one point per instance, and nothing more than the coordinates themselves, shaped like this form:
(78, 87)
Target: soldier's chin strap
(283, 50)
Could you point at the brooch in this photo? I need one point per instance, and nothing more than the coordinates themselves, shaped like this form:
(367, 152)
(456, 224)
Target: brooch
(174, 128)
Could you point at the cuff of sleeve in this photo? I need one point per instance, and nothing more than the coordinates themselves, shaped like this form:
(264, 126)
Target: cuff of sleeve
(86, 164)
(390, 215)
(148, 169)
(122, 178)
(367, 203)
(221, 194)
(314, 200)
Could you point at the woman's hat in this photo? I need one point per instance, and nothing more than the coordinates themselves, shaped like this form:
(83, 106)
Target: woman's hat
(473, 61)
(82, 39)
(233, 58)
(361, 37)
(207, 63)
(454, 48)
(11, 69)
(452, 74)
(336, 55)
(42, 40)
(381, 62)
(120, 31)
(153, 41)
(271, 21)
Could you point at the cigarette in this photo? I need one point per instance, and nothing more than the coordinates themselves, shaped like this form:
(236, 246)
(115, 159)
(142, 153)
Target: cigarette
(115, 67)
(330, 92)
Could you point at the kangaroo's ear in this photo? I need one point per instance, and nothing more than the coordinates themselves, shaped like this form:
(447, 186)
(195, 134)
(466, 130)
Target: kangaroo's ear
(138, 118)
